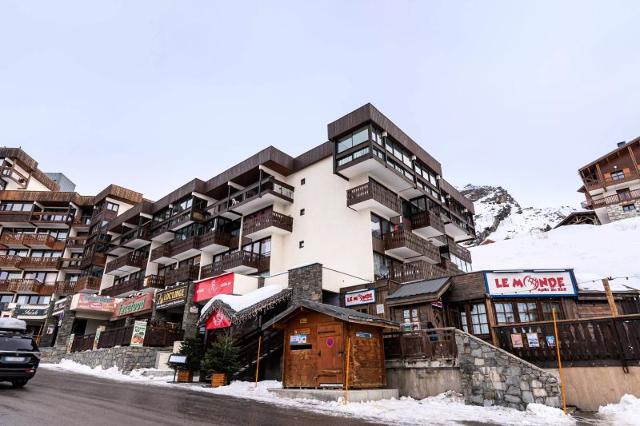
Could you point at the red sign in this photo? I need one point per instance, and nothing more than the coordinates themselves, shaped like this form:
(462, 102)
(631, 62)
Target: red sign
(217, 320)
(210, 287)
(92, 303)
(360, 298)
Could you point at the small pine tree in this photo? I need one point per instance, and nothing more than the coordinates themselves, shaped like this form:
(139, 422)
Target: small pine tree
(192, 348)
(223, 356)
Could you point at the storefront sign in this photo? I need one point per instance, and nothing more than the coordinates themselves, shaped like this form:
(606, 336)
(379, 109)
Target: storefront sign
(50, 328)
(25, 312)
(380, 308)
(58, 306)
(516, 341)
(364, 335)
(93, 303)
(135, 305)
(360, 298)
(537, 283)
(176, 296)
(532, 340)
(139, 331)
(217, 320)
(551, 341)
(210, 287)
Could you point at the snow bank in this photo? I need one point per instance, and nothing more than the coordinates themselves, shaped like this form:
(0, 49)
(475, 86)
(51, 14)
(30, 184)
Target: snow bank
(594, 252)
(445, 409)
(238, 303)
(624, 413)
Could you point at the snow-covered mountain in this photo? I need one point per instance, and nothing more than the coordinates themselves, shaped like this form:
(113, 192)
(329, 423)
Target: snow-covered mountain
(500, 217)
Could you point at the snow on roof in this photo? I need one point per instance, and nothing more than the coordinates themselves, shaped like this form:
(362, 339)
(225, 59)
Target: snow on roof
(594, 252)
(12, 324)
(238, 303)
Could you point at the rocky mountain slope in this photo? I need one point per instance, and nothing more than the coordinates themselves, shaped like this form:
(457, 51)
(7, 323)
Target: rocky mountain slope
(499, 216)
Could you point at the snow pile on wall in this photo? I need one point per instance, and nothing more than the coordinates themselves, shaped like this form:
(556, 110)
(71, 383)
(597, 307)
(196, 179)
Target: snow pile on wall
(626, 412)
(238, 303)
(594, 252)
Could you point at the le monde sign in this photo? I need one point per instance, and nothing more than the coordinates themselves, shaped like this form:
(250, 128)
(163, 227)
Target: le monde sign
(531, 283)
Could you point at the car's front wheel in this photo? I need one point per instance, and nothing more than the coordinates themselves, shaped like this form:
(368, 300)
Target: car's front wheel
(19, 383)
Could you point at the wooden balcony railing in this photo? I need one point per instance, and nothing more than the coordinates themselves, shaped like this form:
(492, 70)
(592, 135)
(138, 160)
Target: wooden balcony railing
(155, 336)
(10, 216)
(140, 233)
(234, 260)
(123, 287)
(372, 190)
(414, 271)
(404, 238)
(183, 273)
(600, 183)
(9, 261)
(581, 340)
(432, 344)
(27, 286)
(86, 283)
(39, 263)
(28, 240)
(428, 218)
(135, 259)
(175, 247)
(76, 242)
(265, 219)
(613, 199)
(154, 281)
(268, 185)
(215, 237)
(459, 251)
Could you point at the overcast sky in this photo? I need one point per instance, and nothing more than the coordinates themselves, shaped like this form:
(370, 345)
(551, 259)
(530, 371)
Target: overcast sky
(149, 95)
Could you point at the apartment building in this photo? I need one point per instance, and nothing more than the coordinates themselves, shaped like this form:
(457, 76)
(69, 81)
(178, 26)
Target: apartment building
(52, 242)
(611, 184)
(369, 203)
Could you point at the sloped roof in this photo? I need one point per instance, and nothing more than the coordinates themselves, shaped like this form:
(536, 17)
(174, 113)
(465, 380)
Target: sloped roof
(344, 314)
(242, 315)
(421, 288)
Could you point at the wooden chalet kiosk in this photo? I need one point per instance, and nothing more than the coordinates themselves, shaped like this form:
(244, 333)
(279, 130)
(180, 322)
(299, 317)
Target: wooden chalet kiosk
(317, 339)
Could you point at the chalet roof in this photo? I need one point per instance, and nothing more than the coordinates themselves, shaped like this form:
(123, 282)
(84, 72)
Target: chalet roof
(422, 288)
(343, 314)
(576, 215)
(610, 153)
(242, 315)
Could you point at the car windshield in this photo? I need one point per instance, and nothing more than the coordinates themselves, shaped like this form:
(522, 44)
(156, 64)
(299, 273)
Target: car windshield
(17, 343)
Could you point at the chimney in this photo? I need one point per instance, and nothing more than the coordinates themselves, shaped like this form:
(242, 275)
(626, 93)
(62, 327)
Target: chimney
(621, 144)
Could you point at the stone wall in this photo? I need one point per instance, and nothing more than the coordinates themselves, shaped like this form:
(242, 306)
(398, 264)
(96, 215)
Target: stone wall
(420, 378)
(64, 331)
(615, 211)
(125, 358)
(492, 376)
(306, 283)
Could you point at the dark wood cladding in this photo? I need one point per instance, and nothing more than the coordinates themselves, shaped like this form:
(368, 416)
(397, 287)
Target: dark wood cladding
(61, 198)
(234, 260)
(48, 263)
(368, 113)
(195, 185)
(458, 250)
(26, 286)
(372, 190)
(453, 192)
(215, 237)
(145, 207)
(124, 287)
(28, 240)
(467, 287)
(181, 274)
(414, 271)
(175, 247)
(86, 283)
(312, 156)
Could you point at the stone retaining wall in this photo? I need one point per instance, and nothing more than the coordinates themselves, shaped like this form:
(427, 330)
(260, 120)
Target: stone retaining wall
(492, 376)
(125, 358)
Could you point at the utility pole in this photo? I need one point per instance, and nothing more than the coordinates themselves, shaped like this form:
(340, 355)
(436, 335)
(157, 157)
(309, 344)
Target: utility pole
(610, 299)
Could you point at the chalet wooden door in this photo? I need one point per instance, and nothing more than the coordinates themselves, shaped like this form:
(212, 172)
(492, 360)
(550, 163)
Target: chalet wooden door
(330, 354)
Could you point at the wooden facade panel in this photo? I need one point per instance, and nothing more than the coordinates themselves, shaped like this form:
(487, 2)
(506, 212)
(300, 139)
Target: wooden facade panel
(467, 287)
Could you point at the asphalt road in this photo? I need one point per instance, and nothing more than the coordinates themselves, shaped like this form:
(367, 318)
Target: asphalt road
(61, 398)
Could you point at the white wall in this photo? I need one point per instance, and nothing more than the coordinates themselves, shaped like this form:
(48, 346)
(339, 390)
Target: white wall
(334, 235)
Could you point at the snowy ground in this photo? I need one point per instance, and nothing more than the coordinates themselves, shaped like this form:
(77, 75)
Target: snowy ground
(439, 410)
(594, 252)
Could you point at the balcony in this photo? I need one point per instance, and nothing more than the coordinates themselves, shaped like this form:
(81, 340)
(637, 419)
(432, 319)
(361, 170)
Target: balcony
(24, 286)
(15, 219)
(154, 281)
(71, 264)
(375, 197)
(602, 184)
(176, 250)
(124, 287)
(82, 223)
(136, 238)
(85, 284)
(612, 199)
(126, 264)
(267, 192)
(266, 223)
(52, 219)
(184, 273)
(414, 271)
(103, 215)
(456, 250)
(8, 171)
(427, 224)
(407, 246)
(10, 262)
(242, 262)
(39, 263)
(95, 259)
(214, 242)
(457, 229)
(164, 231)
(76, 244)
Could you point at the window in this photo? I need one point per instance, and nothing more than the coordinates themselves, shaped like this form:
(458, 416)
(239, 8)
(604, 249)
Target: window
(301, 212)
(303, 181)
(629, 208)
(548, 307)
(356, 138)
(112, 206)
(478, 317)
(359, 153)
(528, 312)
(300, 244)
(16, 207)
(617, 175)
(504, 313)
(463, 265)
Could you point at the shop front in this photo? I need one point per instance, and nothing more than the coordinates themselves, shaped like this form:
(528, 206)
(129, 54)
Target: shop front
(35, 316)
(170, 303)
